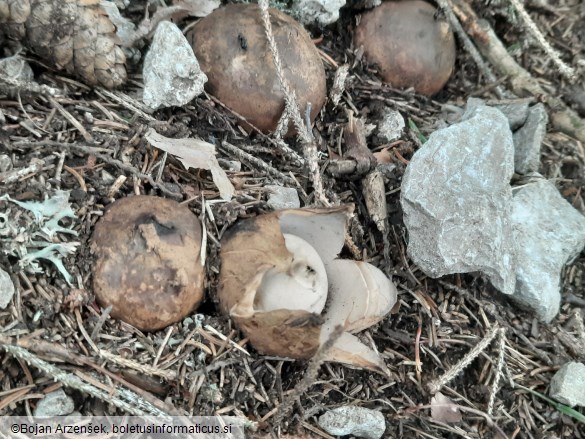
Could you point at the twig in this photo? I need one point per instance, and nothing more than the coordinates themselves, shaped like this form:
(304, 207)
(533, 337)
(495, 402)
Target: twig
(292, 108)
(562, 118)
(486, 416)
(75, 382)
(309, 377)
(564, 69)
(11, 87)
(289, 154)
(436, 385)
(471, 49)
(128, 102)
(71, 119)
(499, 367)
(109, 160)
(255, 161)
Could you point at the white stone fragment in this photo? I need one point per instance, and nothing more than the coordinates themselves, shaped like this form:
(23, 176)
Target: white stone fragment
(568, 385)
(320, 11)
(456, 199)
(16, 68)
(515, 112)
(6, 289)
(548, 232)
(528, 139)
(281, 197)
(352, 420)
(5, 163)
(390, 126)
(56, 403)
(172, 75)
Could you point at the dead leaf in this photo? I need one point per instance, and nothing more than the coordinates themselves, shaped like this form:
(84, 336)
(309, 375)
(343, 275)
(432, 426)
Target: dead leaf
(198, 8)
(384, 156)
(197, 154)
(444, 410)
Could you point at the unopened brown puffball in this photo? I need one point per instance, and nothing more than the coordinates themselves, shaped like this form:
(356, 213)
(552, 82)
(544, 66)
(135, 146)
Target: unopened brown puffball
(410, 47)
(147, 261)
(232, 50)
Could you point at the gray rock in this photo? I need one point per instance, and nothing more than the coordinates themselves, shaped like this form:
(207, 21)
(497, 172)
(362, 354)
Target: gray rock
(6, 289)
(5, 163)
(456, 199)
(527, 140)
(281, 197)
(568, 385)
(390, 126)
(233, 165)
(16, 68)
(357, 421)
(56, 403)
(321, 11)
(516, 112)
(548, 232)
(172, 75)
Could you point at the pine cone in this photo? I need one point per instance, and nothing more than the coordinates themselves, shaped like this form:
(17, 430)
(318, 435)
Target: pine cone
(74, 35)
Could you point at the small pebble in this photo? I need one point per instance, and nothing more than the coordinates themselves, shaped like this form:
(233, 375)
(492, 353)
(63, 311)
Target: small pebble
(5, 163)
(56, 403)
(528, 139)
(6, 289)
(390, 126)
(283, 197)
(172, 76)
(516, 113)
(357, 421)
(320, 11)
(568, 385)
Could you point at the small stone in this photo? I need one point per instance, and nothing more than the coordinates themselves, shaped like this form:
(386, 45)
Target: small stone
(320, 11)
(568, 385)
(281, 197)
(172, 76)
(548, 232)
(390, 126)
(357, 421)
(16, 68)
(516, 113)
(6, 289)
(233, 165)
(456, 199)
(56, 403)
(5, 163)
(528, 139)
(106, 177)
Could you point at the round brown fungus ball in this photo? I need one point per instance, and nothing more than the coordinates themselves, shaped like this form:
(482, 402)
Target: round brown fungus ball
(409, 45)
(147, 261)
(232, 49)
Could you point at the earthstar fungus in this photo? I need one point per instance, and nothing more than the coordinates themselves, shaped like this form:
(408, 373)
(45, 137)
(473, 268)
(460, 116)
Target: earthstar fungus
(287, 301)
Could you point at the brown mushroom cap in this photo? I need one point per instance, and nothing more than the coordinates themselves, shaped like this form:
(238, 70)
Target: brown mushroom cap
(410, 47)
(148, 261)
(232, 49)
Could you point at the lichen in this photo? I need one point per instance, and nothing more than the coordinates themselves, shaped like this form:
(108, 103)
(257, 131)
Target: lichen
(19, 231)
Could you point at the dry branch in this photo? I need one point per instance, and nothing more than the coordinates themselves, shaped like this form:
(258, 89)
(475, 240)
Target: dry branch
(562, 118)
